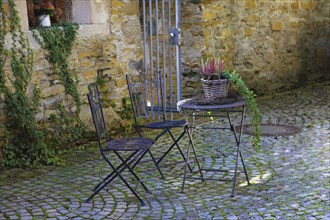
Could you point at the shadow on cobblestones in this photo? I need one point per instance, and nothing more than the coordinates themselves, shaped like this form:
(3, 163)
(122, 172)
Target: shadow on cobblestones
(290, 176)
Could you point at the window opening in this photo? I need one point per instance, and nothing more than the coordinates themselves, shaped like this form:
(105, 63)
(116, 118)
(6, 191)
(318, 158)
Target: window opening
(57, 11)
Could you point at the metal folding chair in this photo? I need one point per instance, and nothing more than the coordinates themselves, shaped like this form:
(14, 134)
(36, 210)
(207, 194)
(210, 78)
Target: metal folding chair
(147, 101)
(136, 147)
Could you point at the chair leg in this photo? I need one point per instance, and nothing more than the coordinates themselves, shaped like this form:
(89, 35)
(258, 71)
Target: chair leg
(106, 178)
(176, 143)
(131, 170)
(153, 159)
(172, 146)
(118, 173)
(169, 149)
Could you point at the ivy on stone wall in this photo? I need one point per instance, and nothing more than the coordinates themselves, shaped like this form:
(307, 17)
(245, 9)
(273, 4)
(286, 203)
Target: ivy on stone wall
(23, 143)
(59, 40)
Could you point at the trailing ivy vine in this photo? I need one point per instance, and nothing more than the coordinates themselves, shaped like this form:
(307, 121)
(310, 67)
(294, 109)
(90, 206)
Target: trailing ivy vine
(59, 40)
(251, 102)
(3, 51)
(24, 143)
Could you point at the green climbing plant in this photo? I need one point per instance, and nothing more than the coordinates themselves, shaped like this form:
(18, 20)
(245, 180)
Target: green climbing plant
(252, 104)
(66, 129)
(59, 40)
(23, 143)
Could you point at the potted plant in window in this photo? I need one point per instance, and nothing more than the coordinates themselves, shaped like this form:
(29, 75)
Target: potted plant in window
(43, 9)
(215, 80)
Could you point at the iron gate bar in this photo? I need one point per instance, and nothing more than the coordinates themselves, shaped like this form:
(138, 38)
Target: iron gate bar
(144, 40)
(164, 57)
(157, 60)
(178, 49)
(169, 55)
(151, 56)
(161, 56)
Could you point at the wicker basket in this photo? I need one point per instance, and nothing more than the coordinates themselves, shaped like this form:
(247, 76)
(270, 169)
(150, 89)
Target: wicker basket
(217, 88)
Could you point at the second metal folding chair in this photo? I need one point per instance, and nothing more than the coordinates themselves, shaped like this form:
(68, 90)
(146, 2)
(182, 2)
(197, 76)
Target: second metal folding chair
(147, 102)
(136, 147)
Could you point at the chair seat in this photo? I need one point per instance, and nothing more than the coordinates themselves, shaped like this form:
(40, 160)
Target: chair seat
(129, 144)
(166, 124)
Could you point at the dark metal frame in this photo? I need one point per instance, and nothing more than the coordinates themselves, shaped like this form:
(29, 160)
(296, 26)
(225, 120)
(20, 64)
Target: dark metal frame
(139, 86)
(137, 146)
(215, 110)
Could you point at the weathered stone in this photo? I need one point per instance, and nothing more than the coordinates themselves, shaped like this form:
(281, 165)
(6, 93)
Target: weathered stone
(51, 90)
(248, 31)
(88, 54)
(121, 82)
(276, 26)
(90, 75)
(295, 5)
(307, 4)
(250, 3)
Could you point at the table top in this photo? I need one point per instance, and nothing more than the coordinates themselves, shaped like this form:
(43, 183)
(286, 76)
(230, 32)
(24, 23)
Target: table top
(200, 103)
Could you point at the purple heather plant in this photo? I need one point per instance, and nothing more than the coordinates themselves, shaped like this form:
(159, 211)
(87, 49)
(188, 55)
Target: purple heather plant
(212, 67)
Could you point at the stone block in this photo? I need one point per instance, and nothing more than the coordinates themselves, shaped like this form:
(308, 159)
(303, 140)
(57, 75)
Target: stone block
(115, 19)
(131, 8)
(209, 15)
(42, 64)
(117, 4)
(277, 25)
(248, 31)
(206, 33)
(87, 63)
(307, 4)
(90, 75)
(294, 24)
(112, 118)
(110, 49)
(52, 91)
(193, 78)
(251, 19)
(250, 4)
(295, 5)
(88, 54)
(6, 8)
(86, 117)
(48, 113)
(227, 32)
(50, 103)
(120, 82)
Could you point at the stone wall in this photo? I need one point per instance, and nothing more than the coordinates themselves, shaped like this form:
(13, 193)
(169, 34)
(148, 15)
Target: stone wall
(105, 57)
(274, 45)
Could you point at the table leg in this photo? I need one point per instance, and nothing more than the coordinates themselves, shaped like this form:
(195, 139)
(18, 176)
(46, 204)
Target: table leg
(186, 165)
(191, 143)
(238, 153)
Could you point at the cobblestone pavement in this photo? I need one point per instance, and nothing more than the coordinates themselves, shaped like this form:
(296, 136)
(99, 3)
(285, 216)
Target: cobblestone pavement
(290, 177)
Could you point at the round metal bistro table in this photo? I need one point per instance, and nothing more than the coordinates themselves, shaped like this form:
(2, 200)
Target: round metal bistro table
(220, 107)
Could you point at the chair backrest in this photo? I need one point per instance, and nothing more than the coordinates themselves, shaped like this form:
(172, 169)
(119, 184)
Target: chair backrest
(95, 104)
(146, 98)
